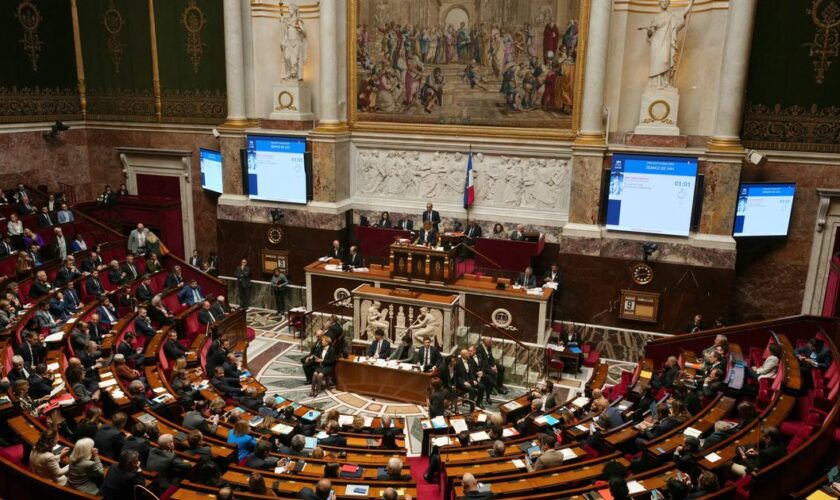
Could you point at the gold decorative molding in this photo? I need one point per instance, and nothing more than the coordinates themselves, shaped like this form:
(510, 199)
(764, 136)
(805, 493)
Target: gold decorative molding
(493, 131)
(238, 123)
(591, 139)
(121, 105)
(193, 20)
(80, 63)
(826, 44)
(36, 104)
(194, 106)
(113, 21)
(725, 144)
(155, 63)
(792, 128)
(332, 128)
(29, 17)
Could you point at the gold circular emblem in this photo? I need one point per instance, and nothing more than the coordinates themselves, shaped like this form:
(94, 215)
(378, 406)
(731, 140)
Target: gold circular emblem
(642, 273)
(285, 100)
(655, 107)
(193, 18)
(113, 20)
(28, 15)
(275, 235)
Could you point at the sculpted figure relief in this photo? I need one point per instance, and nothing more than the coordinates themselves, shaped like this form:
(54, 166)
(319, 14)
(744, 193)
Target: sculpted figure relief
(662, 38)
(293, 44)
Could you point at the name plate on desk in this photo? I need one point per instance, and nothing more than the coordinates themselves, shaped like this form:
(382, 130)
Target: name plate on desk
(639, 306)
(404, 292)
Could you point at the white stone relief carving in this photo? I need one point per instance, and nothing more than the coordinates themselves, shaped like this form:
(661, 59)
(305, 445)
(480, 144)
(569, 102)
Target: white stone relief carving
(500, 180)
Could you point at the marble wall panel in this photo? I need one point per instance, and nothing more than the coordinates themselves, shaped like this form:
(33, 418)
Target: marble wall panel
(721, 181)
(586, 188)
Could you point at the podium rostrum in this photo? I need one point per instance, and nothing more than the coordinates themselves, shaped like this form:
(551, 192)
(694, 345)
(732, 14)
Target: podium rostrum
(422, 264)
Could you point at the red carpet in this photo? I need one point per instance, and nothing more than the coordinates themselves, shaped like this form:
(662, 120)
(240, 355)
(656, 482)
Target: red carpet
(425, 491)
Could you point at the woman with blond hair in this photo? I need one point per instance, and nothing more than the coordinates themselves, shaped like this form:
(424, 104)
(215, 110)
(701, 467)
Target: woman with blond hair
(86, 471)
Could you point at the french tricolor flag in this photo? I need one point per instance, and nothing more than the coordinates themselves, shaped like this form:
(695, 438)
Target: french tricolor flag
(469, 186)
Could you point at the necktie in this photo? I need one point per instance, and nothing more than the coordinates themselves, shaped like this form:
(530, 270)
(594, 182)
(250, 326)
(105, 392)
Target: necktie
(212, 319)
(49, 221)
(108, 313)
(426, 358)
(133, 271)
(378, 346)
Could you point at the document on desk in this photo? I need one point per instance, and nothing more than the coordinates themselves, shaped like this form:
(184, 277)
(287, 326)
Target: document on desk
(441, 441)
(635, 487)
(479, 436)
(282, 429)
(458, 424)
(691, 431)
(345, 420)
(360, 490)
(568, 454)
(519, 464)
(368, 422)
(107, 383)
(512, 405)
(712, 457)
(580, 402)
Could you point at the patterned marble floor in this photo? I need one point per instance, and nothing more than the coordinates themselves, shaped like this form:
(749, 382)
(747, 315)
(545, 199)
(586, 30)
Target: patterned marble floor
(274, 356)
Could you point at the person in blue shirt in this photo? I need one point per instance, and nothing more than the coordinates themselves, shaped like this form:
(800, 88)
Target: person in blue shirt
(191, 294)
(239, 436)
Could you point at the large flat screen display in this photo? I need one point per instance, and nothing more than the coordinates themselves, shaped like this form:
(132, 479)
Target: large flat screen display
(764, 209)
(651, 194)
(276, 168)
(210, 163)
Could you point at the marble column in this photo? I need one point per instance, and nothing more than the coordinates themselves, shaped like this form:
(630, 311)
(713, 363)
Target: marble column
(234, 64)
(595, 74)
(733, 75)
(328, 64)
(720, 193)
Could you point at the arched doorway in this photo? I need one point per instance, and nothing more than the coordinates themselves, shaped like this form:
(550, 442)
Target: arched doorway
(456, 16)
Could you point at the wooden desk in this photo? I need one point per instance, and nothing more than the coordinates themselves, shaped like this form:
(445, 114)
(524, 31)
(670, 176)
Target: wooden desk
(529, 314)
(421, 263)
(383, 382)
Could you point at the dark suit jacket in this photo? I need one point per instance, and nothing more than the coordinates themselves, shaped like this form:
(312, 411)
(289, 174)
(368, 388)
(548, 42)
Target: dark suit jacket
(168, 466)
(129, 275)
(384, 223)
(405, 224)
(115, 276)
(6, 249)
(173, 280)
(227, 385)
(355, 260)
(486, 360)
(823, 357)
(93, 286)
(434, 357)
(204, 317)
(557, 278)
(45, 220)
(65, 274)
(339, 254)
(530, 282)
(140, 445)
(310, 494)
(334, 440)
(472, 232)
(143, 328)
(384, 351)
(427, 237)
(32, 355)
(462, 374)
(144, 293)
(39, 289)
(174, 350)
(38, 386)
(109, 441)
(195, 261)
(89, 265)
(433, 217)
(243, 277)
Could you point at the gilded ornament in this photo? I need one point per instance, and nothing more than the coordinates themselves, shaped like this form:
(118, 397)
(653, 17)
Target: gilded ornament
(286, 101)
(30, 19)
(193, 20)
(826, 44)
(113, 21)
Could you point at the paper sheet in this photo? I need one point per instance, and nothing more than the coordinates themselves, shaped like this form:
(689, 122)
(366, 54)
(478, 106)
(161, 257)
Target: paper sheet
(713, 457)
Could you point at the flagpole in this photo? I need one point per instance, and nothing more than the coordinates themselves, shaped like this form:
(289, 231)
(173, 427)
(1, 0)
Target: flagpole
(469, 159)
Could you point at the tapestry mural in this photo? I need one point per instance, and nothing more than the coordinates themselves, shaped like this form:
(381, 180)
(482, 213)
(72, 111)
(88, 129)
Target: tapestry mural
(792, 97)
(38, 80)
(503, 63)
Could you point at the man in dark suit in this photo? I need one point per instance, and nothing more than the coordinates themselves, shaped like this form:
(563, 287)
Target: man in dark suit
(471, 488)
(405, 225)
(231, 366)
(243, 283)
(32, 351)
(527, 279)
(219, 308)
(472, 232)
(393, 471)
(487, 362)
(109, 439)
(466, 378)
(554, 275)
(261, 459)
(205, 314)
(174, 278)
(6, 247)
(333, 437)
(93, 286)
(814, 354)
(144, 291)
(170, 467)
(431, 216)
(40, 286)
(228, 386)
(196, 260)
(40, 382)
(668, 375)
(20, 370)
(427, 236)
(143, 324)
(770, 449)
(217, 354)
(172, 348)
(20, 192)
(336, 252)
(67, 272)
(696, 324)
(427, 356)
(79, 336)
(322, 491)
(44, 218)
(354, 258)
(92, 262)
(380, 348)
(129, 269)
(128, 351)
(24, 208)
(94, 330)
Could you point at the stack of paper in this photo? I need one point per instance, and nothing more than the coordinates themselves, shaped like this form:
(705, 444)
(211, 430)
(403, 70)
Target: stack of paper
(580, 402)
(345, 420)
(519, 464)
(481, 418)
(440, 422)
(568, 454)
(635, 487)
(282, 429)
(479, 436)
(509, 432)
(713, 457)
(357, 490)
(691, 431)
(458, 424)
(368, 422)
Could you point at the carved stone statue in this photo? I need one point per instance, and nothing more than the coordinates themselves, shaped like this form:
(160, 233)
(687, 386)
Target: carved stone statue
(429, 324)
(293, 44)
(377, 319)
(662, 38)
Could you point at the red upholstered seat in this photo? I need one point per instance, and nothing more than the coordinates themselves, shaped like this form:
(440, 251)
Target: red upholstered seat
(193, 327)
(552, 363)
(742, 486)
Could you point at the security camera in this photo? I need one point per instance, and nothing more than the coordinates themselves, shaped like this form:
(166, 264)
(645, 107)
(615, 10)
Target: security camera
(755, 157)
(648, 249)
(216, 133)
(277, 216)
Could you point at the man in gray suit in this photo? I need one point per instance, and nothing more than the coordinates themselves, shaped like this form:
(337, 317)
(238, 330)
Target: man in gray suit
(163, 460)
(137, 240)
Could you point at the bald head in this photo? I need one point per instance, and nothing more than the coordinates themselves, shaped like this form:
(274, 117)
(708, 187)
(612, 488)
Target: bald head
(468, 480)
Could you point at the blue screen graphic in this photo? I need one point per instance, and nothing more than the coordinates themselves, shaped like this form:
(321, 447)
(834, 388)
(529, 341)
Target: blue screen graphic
(764, 209)
(276, 169)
